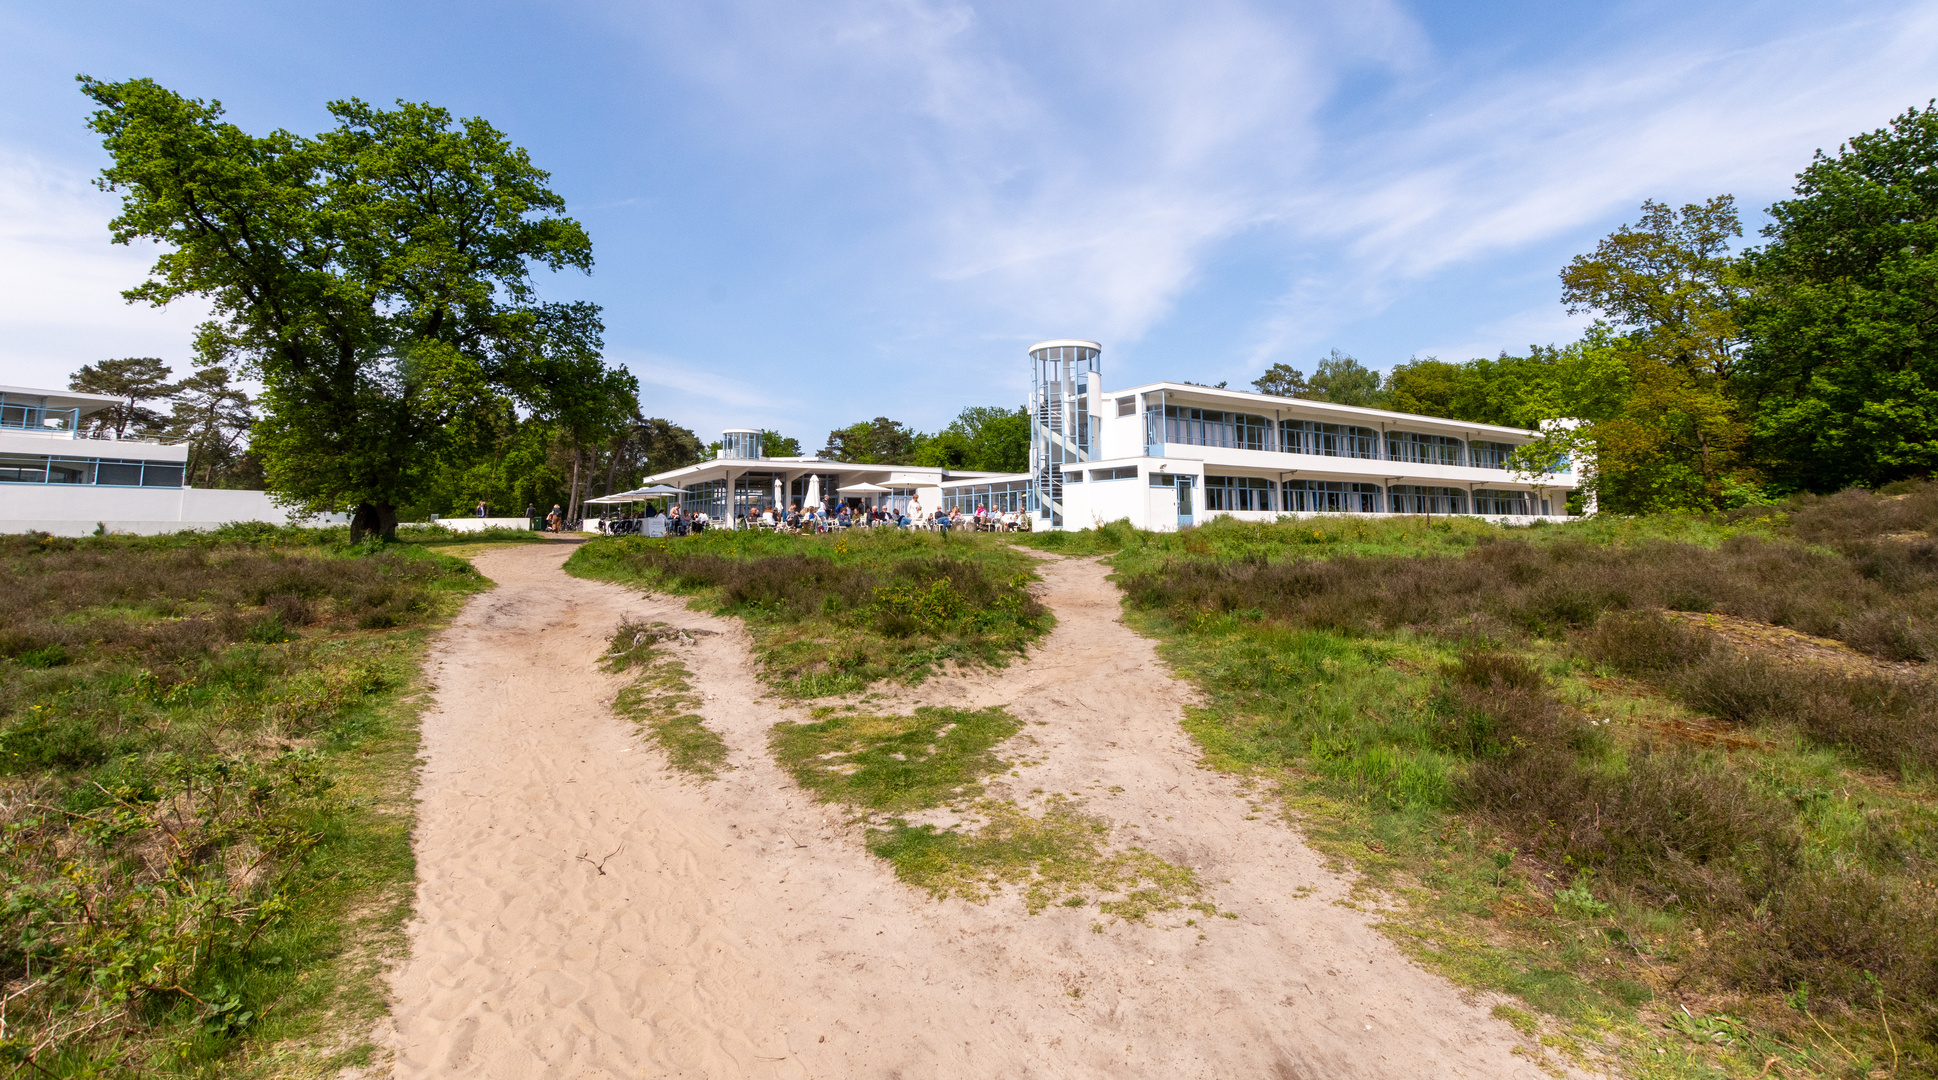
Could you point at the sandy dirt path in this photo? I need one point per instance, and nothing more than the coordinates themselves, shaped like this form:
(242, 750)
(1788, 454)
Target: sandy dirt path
(584, 912)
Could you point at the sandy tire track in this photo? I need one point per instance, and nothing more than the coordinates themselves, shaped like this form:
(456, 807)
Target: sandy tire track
(582, 911)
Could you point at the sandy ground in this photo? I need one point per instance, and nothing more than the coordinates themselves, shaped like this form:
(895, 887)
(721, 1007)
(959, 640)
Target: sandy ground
(584, 911)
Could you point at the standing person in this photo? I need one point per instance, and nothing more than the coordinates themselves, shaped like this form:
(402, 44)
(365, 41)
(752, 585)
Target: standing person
(481, 508)
(531, 515)
(915, 508)
(555, 520)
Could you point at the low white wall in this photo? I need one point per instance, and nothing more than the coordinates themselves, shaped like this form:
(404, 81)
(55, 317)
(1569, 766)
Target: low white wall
(80, 509)
(478, 524)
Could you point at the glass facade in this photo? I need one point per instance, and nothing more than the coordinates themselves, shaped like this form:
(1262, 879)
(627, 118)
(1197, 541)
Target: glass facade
(25, 413)
(709, 498)
(1489, 455)
(1239, 493)
(1501, 502)
(1063, 431)
(1006, 498)
(739, 444)
(1423, 449)
(1418, 499)
(1330, 497)
(103, 472)
(1328, 440)
(1209, 427)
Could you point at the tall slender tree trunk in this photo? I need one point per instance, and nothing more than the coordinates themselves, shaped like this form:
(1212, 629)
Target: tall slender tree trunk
(572, 493)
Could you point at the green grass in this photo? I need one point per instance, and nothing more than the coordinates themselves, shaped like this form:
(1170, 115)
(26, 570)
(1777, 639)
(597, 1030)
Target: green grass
(833, 614)
(206, 750)
(1382, 756)
(661, 698)
(895, 763)
(889, 767)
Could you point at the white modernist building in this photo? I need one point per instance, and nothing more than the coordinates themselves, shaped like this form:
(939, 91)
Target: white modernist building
(56, 481)
(739, 483)
(1170, 454)
(1166, 455)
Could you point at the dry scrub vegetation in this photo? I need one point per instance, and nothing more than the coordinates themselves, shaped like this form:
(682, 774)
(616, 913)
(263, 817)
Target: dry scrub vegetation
(832, 614)
(203, 789)
(1695, 857)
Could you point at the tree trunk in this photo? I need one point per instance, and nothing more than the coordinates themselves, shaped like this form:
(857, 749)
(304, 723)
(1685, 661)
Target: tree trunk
(572, 493)
(379, 519)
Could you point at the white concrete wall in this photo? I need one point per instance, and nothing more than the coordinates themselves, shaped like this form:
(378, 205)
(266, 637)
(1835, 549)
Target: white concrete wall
(480, 524)
(78, 509)
(61, 444)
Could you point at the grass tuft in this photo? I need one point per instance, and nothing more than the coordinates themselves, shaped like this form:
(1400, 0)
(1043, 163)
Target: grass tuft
(661, 699)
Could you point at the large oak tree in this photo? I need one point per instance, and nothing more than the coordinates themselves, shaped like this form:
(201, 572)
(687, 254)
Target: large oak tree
(375, 277)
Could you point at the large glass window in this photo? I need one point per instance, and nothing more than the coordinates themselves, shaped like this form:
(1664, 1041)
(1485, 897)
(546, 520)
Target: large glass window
(1327, 440)
(1418, 499)
(1331, 497)
(1237, 493)
(62, 471)
(34, 469)
(119, 473)
(1422, 449)
(1006, 498)
(1210, 427)
(1489, 455)
(21, 469)
(1501, 502)
(153, 475)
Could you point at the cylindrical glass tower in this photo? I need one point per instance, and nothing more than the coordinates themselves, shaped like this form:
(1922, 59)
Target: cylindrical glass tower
(1062, 429)
(740, 444)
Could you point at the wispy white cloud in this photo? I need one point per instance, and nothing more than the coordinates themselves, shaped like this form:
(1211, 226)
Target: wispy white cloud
(715, 400)
(1074, 168)
(61, 281)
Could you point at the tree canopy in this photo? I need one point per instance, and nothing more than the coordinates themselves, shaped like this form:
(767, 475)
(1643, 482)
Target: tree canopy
(880, 441)
(137, 380)
(375, 277)
(1842, 375)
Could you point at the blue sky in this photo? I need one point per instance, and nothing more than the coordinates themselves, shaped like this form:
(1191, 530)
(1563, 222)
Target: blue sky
(810, 214)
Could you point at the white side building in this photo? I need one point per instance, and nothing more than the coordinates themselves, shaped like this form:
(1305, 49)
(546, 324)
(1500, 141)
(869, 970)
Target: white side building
(54, 480)
(1171, 454)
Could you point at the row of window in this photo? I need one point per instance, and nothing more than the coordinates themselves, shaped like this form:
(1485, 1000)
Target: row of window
(1187, 426)
(1231, 493)
(104, 472)
(1010, 497)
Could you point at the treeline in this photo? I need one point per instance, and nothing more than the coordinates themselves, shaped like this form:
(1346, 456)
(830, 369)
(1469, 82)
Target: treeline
(979, 439)
(1712, 378)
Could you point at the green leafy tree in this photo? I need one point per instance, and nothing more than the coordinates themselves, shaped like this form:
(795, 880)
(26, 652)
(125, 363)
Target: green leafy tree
(1283, 380)
(214, 417)
(1342, 380)
(1843, 374)
(1425, 386)
(774, 444)
(1670, 290)
(980, 439)
(375, 278)
(135, 379)
(880, 441)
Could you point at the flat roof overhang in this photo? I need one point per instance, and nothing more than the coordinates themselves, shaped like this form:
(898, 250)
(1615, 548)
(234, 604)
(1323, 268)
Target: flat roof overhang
(1302, 408)
(64, 399)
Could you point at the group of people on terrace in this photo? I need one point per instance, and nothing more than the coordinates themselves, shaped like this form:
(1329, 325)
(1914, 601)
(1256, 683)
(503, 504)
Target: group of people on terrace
(826, 518)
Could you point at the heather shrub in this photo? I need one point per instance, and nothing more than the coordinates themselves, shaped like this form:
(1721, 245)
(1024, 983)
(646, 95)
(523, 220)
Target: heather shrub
(1640, 642)
(834, 613)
